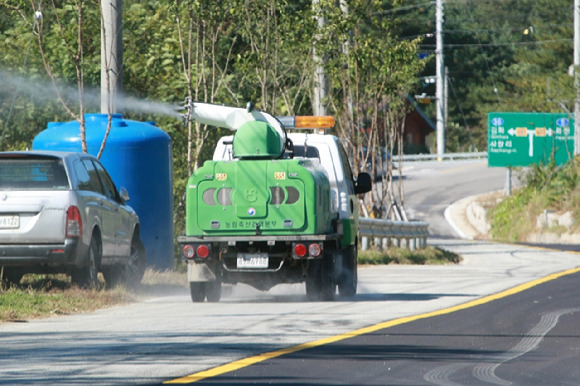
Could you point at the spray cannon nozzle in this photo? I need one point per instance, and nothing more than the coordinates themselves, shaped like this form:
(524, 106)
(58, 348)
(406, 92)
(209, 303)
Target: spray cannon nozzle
(188, 107)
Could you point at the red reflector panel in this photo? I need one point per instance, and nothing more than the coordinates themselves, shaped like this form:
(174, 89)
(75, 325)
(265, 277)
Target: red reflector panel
(203, 251)
(300, 250)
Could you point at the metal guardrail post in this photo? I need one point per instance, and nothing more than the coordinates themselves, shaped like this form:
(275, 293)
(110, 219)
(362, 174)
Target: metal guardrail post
(411, 234)
(446, 156)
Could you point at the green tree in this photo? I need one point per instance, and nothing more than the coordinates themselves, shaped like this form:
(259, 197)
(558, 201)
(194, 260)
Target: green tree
(371, 73)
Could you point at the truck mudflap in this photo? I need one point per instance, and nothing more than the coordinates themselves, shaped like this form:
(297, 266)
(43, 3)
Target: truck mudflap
(200, 272)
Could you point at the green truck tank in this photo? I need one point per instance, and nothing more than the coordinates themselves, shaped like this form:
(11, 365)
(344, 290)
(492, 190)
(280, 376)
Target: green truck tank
(271, 208)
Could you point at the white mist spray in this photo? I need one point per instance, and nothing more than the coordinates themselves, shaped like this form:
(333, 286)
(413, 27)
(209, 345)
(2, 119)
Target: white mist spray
(42, 90)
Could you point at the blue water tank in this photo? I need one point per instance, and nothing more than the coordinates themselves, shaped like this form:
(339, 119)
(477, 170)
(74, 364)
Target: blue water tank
(138, 156)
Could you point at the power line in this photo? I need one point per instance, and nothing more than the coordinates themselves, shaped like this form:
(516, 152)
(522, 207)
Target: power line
(537, 42)
(520, 28)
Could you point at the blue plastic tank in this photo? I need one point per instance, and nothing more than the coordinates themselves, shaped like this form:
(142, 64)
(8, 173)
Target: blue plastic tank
(138, 156)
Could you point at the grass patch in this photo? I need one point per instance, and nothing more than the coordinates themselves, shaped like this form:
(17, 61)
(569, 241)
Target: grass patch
(551, 187)
(39, 296)
(19, 304)
(429, 255)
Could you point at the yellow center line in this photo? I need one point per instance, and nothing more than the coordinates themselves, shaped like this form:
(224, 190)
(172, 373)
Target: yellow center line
(240, 364)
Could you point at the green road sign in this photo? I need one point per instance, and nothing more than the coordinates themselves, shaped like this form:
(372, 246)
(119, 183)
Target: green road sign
(523, 139)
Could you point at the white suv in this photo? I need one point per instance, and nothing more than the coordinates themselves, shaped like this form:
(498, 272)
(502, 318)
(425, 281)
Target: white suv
(61, 213)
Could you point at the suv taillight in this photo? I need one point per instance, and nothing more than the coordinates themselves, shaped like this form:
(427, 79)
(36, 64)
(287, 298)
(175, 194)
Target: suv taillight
(74, 224)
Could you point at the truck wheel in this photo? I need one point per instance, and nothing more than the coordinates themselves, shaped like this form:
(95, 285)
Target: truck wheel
(87, 276)
(348, 275)
(197, 290)
(319, 283)
(213, 290)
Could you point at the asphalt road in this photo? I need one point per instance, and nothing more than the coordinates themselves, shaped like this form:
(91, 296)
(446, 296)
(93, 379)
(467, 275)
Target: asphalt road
(167, 338)
(530, 338)
(430, 187)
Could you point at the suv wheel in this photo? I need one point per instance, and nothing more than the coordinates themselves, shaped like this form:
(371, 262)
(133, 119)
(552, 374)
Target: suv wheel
(135, 268)
(131, 273)
(87, 276)
(11, 276)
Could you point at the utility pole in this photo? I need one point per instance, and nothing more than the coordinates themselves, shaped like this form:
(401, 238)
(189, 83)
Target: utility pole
(446, 97)
(440, 82)
(576, 77)
(111, 54)
(320, 96)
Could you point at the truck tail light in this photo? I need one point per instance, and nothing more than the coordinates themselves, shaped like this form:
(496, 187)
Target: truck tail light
(300, 250)
(74, 223)
(202, 251)
(188, 251)
(314, 250)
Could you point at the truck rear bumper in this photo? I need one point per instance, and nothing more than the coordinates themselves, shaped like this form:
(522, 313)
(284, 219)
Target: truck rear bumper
(251, 259)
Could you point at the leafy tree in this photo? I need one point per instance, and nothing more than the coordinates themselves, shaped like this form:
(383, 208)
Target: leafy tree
(501, 56)
(371, 73)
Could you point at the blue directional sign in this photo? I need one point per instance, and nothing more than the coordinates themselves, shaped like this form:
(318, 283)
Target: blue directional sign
(523, 139)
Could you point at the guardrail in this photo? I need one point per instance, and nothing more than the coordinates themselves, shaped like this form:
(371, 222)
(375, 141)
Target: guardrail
(446, 156)
(387, 233)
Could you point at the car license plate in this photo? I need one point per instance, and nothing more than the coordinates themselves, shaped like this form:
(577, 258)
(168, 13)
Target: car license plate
(253, 260)
(9, 222)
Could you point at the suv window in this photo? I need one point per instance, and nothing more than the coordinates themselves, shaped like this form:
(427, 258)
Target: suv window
(108, 184)
(38, 173)
(84, 180)
(93, 183)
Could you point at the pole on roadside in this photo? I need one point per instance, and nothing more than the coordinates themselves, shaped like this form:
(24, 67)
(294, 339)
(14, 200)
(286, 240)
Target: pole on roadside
(440, 76)
(508, 182)
(576, 77)
(320, 95)
(111, 54)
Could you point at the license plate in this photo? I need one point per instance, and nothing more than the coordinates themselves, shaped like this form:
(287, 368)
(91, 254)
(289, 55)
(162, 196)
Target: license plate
(9, 222)
(253, 260)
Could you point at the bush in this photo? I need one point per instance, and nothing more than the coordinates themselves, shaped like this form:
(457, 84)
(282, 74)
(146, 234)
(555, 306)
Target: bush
(429, 255)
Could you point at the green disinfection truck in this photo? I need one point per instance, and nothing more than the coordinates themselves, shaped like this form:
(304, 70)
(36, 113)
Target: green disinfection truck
(271, 207)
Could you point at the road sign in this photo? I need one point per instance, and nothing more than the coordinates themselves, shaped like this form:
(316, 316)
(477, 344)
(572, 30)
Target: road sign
(523, 139)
